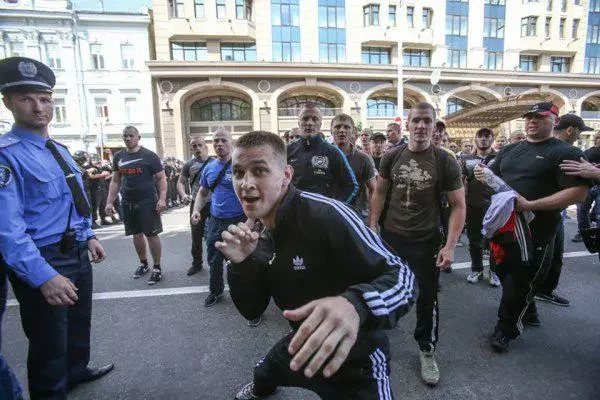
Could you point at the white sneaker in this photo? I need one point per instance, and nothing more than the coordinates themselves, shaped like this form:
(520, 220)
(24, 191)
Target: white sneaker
(493, 280)
(474, 277)
(430, 372)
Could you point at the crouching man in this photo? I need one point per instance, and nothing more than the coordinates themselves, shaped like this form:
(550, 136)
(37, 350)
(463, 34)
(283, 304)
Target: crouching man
(338, 284)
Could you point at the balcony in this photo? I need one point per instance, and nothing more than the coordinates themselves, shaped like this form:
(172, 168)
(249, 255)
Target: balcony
(222, 29)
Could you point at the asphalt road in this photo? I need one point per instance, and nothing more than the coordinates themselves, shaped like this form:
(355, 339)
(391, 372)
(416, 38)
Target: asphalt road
(166, 345)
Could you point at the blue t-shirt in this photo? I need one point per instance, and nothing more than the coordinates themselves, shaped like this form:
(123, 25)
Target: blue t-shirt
(225, 203)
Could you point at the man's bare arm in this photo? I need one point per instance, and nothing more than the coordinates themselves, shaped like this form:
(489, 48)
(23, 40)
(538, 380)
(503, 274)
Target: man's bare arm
(114, 187)
(377, 201)
(181, 184)
(557, 201)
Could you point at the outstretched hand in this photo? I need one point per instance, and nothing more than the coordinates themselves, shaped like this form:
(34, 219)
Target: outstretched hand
(330, 325)
(239, 241)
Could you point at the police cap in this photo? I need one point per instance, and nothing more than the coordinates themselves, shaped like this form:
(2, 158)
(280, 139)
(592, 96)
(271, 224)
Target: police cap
(21, 74)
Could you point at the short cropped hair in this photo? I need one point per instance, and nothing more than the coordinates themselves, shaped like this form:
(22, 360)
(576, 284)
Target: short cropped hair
(264, 138)
(310, 106)
(131, 129)
(423, 105)
(344, 117)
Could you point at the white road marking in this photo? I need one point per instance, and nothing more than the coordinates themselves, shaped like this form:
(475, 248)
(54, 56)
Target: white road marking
(204, 289)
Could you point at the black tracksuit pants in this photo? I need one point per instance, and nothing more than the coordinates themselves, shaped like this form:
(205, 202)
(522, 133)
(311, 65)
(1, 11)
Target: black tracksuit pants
(421, 257)
(520, 281)
(476, 240)
(197, 231)
(364, 378)
(551, 282)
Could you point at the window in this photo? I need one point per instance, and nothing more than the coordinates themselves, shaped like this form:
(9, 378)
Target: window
(593, 35)
(493, 27)
(371, 15)
(457, 58)
(375, 55)
(221, 109)
(547, 27)
(199, 8)
(560, 64)
(17, 49)
(176, 9)
(97, 56)
(496, 2)
(528, 63)
(561, 28)
(563, 6)
(243, 9)
(549, 5)
(410, 17)
(53, 55)
(530, 1)
(577, 2)
(127, 56)
(221, 9)
(285, 21)
(454, 105)
(291, 106)
(457, 25)
(427, 17)
(392, 16)
(101, 109)
(594, 6)
(417, 58)
(238, 51)
(591, 65)
(332, 32)
(60, 111)
(493, 59)
(575, 30)
(382, 107)
(130, 109)
(188, 51)
(457, 17)
(528, 25)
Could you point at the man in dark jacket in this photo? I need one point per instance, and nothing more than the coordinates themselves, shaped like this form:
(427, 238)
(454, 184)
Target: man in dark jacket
(335, 279)
(319, 167)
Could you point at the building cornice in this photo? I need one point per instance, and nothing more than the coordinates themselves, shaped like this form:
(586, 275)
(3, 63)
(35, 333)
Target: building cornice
(82, 16)
(187, 69)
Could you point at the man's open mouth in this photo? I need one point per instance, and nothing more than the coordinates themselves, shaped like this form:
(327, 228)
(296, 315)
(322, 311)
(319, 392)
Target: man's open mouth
(250, 199)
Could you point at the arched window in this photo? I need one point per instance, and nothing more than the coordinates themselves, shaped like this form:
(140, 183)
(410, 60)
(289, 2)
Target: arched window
(291, 106)
(454, 105)
(221, 109)
(590, 110)
(385, 106)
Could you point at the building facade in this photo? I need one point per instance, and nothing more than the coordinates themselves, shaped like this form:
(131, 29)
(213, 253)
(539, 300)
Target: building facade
(102, 82)
(252, 64)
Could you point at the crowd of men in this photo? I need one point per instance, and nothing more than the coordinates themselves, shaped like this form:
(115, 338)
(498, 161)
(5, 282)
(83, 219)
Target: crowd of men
(345, 237)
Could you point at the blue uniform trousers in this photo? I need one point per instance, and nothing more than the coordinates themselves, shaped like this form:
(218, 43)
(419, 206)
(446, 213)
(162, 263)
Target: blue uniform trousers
(59, 337)
(10, 389)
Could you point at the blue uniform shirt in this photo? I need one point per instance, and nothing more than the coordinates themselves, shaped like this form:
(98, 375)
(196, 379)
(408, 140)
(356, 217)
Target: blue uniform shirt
(225, 203)
(35, 201)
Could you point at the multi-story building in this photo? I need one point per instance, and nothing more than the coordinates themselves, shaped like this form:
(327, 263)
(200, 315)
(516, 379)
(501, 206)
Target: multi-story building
(102, 82)
(251, 64)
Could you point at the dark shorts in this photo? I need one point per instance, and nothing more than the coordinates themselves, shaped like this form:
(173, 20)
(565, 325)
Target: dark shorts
(141, 218)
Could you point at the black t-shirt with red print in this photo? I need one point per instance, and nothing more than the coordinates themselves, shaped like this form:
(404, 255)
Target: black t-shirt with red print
(137, 175)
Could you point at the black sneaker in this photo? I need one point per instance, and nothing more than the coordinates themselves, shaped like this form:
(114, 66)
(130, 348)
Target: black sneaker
(577, 238)
(253, 323)
(212, 299)
(532, 320)
(141, 270)
(247, 393)
(448, 270)
(499, 342)
(193, 269)
(554, 299)
(155, 277)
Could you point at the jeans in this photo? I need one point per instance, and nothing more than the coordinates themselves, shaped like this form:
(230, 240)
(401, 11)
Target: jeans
(197, 231)
(214, 227)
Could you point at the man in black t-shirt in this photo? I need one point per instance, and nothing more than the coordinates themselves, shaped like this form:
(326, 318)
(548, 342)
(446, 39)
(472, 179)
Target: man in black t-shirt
(531, 168)
(190, 176)
(139, 172)
(377, 147)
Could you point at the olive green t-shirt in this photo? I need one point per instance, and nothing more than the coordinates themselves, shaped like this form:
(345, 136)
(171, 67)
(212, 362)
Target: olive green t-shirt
(414, 207)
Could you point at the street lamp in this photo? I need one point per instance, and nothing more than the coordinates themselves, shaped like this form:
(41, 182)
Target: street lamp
(400, 67)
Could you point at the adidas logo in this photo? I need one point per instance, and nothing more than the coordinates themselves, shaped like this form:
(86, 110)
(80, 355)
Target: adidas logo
(298, 263)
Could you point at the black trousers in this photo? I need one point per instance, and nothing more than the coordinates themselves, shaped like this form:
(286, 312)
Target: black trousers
(520, 280)
(197, 231)
(551, 282)
(421, 258)
(476, 240)
(59, 337)
(361, 379)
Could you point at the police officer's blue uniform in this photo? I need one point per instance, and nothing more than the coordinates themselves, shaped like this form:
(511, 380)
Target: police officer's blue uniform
(36, 202)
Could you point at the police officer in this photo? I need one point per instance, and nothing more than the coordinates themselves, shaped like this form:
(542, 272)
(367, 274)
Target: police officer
(46, 235)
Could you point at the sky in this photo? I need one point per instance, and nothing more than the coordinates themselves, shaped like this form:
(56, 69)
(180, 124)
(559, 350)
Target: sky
(112, 5)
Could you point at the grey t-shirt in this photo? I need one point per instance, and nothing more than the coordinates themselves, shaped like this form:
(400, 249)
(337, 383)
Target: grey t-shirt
(192, 170)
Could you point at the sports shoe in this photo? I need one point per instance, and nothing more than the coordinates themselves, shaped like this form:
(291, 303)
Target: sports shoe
(430, 372)
(532, 320)
(577, 238)
(475, 276)
(141, 270)
(499, 342)
(493, 279)
(247, 393)
(212, 299)
(553, 298)
(155, 277)
(253, 323)
(193, 269)
(448, 270)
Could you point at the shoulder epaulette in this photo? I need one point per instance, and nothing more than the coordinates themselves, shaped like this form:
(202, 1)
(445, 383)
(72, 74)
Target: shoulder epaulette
(8, 139)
